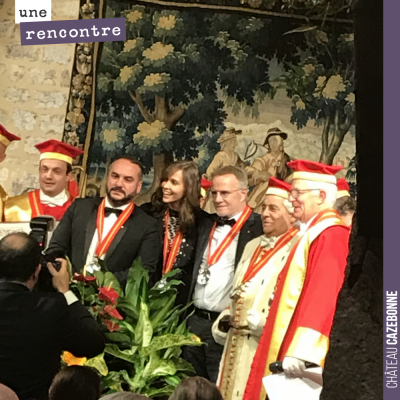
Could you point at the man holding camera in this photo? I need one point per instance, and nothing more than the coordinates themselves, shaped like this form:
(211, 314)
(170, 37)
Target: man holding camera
(55, 174)
(36, 327)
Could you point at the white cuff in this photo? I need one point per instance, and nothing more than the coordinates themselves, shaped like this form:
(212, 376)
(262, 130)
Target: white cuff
(70, 297)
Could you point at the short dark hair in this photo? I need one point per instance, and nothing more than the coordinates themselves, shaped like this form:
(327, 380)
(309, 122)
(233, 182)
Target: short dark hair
(75, 382)
(345, 205)
(196, 388)
(133, 160)
(19, 257)
(69, 168)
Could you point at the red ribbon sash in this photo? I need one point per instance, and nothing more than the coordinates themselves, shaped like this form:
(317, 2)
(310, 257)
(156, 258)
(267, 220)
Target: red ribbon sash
(170, 254)
(213, 258)
(40, 209)
(254, 266)
(103, 245)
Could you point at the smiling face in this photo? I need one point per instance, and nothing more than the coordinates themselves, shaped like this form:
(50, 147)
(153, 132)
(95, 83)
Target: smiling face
(124, 182)
(173, 189)
(308, 202)
(53, 177)
(228, 198)
(276, 219)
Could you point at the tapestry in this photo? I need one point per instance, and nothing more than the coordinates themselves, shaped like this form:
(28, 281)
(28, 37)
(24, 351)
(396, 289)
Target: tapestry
(217, 87)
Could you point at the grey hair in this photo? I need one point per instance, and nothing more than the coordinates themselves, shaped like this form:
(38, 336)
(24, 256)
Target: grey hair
(329, 188)
(239, 174)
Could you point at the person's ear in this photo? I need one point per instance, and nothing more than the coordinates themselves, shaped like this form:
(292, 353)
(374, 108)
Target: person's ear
(321, 197)
(2, 157)
(37, 272)
(139, 187)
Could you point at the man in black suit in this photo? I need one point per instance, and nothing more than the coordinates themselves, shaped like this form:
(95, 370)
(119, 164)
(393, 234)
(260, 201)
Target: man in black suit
(35, 327)
(227, 234)
(125, 231)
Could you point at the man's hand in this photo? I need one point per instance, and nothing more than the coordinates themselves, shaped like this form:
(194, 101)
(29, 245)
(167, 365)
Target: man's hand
(61, 277)
(293, 367)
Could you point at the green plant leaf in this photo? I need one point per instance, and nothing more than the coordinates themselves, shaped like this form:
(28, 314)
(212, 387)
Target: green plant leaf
(135, 277)
(100, 277)
(117, 337)
(144, 328)
(183, 365)
(155, 392)
(172, 380)
(167, 341)
(99, 364)
(111, 280)
(127, 355)
(161, 314)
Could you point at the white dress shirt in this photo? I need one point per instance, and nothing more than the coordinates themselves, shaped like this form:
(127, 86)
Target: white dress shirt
(305, 225)
(214, 295)
(58, 200)
(108, 224)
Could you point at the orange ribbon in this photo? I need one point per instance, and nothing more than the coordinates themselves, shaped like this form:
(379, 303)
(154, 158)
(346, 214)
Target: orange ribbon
(170, 254)
(213, 258)
(254, 266)
(103, 245)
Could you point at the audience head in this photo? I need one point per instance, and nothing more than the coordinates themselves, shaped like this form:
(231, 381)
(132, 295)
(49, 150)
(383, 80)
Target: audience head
(125, 180)
(179, 190)
(229, 191)
(6, 393)
(75, 383)
(276, 217)
(196, 388)
(313, 188)
(55, 166)
(19, 258)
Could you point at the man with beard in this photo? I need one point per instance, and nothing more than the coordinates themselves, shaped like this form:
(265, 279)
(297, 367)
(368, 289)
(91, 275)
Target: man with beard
(111, 229)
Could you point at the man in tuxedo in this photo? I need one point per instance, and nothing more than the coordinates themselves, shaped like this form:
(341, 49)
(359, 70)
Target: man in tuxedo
(111, 229)
(222, 239)
(35, 327)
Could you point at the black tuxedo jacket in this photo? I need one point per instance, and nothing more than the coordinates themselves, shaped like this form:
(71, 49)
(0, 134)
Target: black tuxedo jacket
(186, 256)
(250, 230)
(139, 237)
(34, 329)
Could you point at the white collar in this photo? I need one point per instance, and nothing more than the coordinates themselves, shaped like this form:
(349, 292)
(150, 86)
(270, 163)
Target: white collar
(305, 225)
(108, 205)
(58, 200)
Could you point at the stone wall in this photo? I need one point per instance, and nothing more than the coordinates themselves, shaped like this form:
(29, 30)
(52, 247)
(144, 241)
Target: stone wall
(34, 88)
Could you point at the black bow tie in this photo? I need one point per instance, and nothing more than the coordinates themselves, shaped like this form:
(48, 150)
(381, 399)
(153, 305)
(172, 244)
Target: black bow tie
(108, 211)
(221, 221)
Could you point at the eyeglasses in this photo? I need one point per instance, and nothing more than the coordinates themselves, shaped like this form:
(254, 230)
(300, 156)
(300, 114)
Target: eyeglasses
(224, 193)
(295, 193)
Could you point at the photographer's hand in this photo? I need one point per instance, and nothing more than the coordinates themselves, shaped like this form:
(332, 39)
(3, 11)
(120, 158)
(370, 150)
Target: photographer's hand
(61, 277)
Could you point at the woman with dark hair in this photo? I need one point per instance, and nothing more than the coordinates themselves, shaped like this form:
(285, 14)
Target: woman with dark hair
(196, 388)
(175, 204)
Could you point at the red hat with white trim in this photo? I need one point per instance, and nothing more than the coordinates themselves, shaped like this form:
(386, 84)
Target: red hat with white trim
(205, 185)
(7, 137)
(343, 188)
(314, 171)
(55, 150)
(279, 188)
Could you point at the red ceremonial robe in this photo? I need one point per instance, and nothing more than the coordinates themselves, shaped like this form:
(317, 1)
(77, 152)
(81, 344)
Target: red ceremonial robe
(304, 328)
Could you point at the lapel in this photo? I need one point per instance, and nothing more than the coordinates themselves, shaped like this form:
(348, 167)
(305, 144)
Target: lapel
(245, 236)
(119, 235)
(91, 227)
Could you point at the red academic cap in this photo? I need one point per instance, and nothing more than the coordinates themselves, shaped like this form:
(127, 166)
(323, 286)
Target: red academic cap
(314, 171)
(279, 188)
(7, 137)
(343, 188)
(55, 150)
(205, 185)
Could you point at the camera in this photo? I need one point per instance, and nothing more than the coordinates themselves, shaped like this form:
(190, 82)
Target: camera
(40, 228)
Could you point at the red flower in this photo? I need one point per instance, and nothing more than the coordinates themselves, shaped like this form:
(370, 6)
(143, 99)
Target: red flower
(112, 326)
(83, 278)
(110, 310)
(109, 295)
